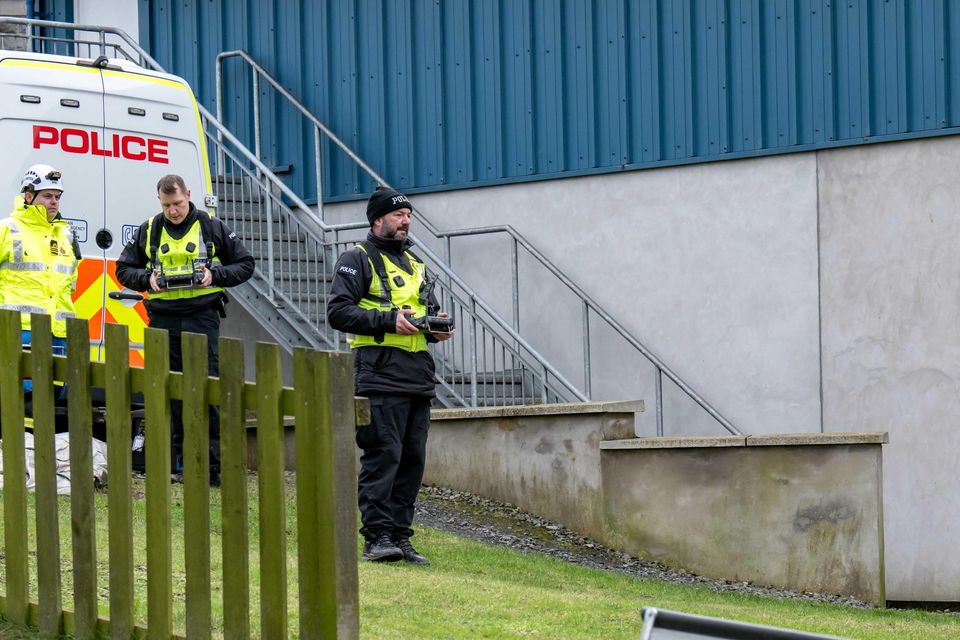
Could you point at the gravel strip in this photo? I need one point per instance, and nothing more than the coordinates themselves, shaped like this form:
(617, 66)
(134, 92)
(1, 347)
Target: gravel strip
(500, 523)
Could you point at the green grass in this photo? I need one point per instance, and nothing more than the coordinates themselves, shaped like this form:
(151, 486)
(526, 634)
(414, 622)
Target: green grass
(477, 590)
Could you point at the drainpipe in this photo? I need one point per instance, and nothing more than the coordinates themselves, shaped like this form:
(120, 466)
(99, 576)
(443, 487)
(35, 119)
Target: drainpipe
(31, 9)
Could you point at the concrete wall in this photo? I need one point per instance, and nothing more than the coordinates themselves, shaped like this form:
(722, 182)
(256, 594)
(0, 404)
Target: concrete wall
(801, 512)
(543, 458)
(890, 295)
(120, 14)
(805, 513)
(16, 9)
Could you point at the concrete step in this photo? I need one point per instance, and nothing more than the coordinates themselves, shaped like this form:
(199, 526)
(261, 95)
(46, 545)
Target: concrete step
(235, 189)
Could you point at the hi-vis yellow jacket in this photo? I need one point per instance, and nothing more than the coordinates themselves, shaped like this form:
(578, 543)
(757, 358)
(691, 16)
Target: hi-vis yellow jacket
(179, 256)
(405, 293)
(38, 268)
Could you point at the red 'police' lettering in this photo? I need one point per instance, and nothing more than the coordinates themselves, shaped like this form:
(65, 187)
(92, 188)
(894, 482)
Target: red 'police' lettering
(129, 147)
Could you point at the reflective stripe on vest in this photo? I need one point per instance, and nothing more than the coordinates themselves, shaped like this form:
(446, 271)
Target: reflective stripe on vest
(29, 266)
(23, 308)
(406, 294)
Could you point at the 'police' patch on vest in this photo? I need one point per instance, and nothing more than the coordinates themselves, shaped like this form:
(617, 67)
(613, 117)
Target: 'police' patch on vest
(344, 268)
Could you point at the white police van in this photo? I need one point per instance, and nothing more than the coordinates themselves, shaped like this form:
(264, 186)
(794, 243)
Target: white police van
(113, 129)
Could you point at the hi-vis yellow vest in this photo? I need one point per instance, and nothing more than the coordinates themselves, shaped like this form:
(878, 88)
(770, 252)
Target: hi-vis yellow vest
(401, 295)
(178, 256)
(38, 269)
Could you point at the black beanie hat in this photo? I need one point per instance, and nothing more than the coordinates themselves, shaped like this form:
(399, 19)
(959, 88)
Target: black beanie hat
(383, 201)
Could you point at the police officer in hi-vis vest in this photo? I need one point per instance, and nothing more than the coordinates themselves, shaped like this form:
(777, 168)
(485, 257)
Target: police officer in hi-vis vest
(185, 257)
(378, 288)
(39, 256)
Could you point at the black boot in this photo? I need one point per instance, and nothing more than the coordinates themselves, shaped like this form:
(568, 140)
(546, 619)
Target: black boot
(381, 549)
(409, 553)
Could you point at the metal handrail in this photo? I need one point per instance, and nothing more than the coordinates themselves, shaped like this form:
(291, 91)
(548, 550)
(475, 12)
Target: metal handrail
(589, 304)
(319, 127)
(496, 326)
(471, 296)
(437, 262)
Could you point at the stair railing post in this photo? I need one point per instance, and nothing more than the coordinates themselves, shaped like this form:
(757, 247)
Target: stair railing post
(543, 383)
(318, 168)
(221, 167)
(515, 282)
(473, 351)
(658, 380)
(448, 245)
(256, 117)
(270, 261)
(587, 385)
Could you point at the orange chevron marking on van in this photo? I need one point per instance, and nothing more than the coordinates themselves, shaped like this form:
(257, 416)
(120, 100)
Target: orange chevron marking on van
(93, 285)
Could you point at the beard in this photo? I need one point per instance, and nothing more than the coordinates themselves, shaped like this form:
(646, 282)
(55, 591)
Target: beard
(393, 233)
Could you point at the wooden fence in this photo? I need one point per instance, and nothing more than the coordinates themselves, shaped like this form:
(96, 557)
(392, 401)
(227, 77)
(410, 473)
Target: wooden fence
(321, 402)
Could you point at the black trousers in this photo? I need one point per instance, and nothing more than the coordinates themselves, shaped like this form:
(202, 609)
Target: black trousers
(206, 321)
(391, 467)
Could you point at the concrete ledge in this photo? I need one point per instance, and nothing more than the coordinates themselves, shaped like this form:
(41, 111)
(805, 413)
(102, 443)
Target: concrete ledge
(683, 442)
(623, 406)
(777, 440)
(796, 439)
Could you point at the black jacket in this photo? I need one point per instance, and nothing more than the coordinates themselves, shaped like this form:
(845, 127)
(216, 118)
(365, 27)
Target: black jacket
(236, 264)
(378, 370)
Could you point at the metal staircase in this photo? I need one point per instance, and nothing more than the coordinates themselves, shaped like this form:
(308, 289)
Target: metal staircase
(488, 361)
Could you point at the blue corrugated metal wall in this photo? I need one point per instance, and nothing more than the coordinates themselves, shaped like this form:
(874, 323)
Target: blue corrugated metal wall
(455, 93)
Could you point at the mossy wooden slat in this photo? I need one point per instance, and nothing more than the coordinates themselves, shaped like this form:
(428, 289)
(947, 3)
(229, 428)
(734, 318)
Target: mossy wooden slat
(233, 492)
(316, 614)
(14, 469)
(119, 469)
(82, 517)
(196, 490)
(50, 599)
(361, 405)
(156, 397)
(344, 493)
(270, 451)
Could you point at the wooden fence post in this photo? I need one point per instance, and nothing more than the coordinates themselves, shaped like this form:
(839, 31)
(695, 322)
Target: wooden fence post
(45, 468)
(233, 492)
(343, 452)
(270, 453)
(196, 489)
(80, 420)
(326, 494)
(156, 395)
(119, 468)
(14, 468)
(315, 525)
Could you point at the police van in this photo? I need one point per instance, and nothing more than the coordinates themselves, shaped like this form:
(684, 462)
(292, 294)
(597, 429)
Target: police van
(112, 129)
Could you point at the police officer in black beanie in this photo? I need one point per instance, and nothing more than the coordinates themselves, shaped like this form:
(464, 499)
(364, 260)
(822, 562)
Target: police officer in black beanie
(377, 286)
